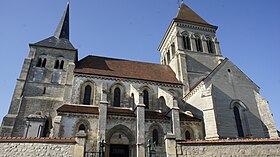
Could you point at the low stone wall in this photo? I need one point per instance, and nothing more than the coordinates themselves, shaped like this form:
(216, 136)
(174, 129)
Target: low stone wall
(33, 147)
(232, 148)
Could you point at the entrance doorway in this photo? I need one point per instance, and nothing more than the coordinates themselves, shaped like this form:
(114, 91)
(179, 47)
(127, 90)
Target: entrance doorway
(118, 150)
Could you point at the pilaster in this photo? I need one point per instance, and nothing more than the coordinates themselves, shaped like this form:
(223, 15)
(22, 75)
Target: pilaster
(176, 120)
(140, 112)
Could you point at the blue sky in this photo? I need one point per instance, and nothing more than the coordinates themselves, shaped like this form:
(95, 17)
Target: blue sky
(132, 29)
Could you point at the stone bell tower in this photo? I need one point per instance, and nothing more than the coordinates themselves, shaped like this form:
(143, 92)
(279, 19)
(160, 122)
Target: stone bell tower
(44, 84)
(190, 47)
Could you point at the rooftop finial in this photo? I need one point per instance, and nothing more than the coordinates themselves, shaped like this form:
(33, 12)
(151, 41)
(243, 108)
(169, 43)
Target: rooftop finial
(179, 2)
(62, 30)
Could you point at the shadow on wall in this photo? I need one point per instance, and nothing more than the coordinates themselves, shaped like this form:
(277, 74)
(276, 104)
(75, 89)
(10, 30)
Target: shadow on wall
(227, 124)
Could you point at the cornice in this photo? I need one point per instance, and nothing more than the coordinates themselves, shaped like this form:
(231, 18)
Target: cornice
(201, 28)
(128, 80)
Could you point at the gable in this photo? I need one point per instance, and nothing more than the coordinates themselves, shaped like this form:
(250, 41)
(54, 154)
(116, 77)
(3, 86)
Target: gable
(228, 72)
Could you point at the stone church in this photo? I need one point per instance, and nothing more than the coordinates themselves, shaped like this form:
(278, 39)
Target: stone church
(194, 93)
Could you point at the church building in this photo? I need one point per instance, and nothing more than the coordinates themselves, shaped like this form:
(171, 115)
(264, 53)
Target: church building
(194, 93)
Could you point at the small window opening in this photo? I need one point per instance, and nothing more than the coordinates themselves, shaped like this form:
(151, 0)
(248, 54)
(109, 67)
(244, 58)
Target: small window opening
(155, 136)
(198, 44)
(61, 64)
(39, 62)
(44, 62)
(187, 42)
(188, 135)
(87, 95)
(168, 57)
(56, 65)
(46, 130)
(229, 70)
(210, 46)
(117, 97)
(44, 90)
(146, 98)
(82, 127)
(173, 50)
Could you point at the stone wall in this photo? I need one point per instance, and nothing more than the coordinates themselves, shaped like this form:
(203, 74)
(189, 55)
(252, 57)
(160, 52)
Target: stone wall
(235, 148)
(33, 147)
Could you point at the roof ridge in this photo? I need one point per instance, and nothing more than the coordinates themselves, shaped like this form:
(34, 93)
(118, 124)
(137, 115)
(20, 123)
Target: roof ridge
(125, 60)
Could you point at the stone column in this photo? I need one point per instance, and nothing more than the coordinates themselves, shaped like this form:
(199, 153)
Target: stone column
(102, 121)
(176, 120)
(140, 112)
(79, 149)
(170, 145)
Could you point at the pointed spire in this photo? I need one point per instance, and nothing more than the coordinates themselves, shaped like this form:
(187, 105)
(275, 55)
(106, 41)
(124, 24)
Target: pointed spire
(187, 14)
(62, 30)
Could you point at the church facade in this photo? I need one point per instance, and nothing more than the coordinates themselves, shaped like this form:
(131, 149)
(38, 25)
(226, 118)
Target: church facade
(194, 93)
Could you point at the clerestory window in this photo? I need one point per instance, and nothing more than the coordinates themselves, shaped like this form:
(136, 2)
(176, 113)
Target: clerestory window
(117, 97)
(87, 95)
(146, 98)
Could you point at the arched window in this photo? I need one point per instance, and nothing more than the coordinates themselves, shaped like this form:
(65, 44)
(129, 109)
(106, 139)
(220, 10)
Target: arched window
(132, 100)
(56, 64)
(198, 44)
(117, 97)
(146, 98)
(187, 135)
(155, 136)
(168, 56)
(238, 121)
(82, 127)
(61, 64)
(210, 46)
(187, 42)
(162, 103)
(173, 50)
(87, 95)
(44, 62)
(39, 62)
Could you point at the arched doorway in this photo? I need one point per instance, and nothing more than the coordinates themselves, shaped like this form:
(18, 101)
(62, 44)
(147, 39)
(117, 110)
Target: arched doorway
(120, 142)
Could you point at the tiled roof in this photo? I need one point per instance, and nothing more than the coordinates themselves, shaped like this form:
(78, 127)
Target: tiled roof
(37, 140)
(94, 65)
(78, 109)
(186, 14)
(120, 111)
(226, 141)
(184, 117)
(155, 115)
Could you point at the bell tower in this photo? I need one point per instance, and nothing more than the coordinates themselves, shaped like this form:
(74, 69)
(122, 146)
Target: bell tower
(190, 47)
(44, 84)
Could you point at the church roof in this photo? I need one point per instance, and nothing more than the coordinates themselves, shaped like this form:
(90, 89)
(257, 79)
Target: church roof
(60, 39)
(186, 14)
(95, 65)
(78, 109)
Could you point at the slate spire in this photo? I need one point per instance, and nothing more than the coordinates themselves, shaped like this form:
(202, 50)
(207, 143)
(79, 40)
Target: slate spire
(62, 30)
